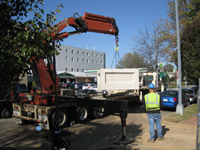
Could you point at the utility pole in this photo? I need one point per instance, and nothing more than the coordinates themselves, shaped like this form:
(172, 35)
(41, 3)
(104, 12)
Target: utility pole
(167, 75)
(179, 107)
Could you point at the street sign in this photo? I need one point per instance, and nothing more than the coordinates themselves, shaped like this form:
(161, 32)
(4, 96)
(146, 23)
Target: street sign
(161, 66)
(177, 81)
(177, 73)
(161, 74)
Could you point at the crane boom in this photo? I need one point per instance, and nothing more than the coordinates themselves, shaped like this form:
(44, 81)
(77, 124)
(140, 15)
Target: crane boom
(43, 75)
(88, 22)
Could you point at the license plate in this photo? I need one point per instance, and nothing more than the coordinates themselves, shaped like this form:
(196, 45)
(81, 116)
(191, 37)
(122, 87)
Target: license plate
(165, 100)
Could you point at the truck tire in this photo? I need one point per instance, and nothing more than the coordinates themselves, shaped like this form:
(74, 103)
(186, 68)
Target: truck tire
(6, 113)
(98, 112)
(81, 114)
(61, 118)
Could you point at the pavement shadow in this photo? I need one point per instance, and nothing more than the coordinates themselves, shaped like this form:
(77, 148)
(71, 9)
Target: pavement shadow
(101, 133)
(169, 109)
(164, 131)
(136, 107)
(23, 138)
(90, 135)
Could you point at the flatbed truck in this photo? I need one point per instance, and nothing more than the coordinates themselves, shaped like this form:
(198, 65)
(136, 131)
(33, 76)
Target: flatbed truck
(52, 107)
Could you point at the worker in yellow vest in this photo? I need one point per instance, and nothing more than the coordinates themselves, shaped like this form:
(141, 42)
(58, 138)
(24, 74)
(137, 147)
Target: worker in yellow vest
(152, 104)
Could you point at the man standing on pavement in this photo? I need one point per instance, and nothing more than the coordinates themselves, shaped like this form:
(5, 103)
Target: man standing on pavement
(152, 104)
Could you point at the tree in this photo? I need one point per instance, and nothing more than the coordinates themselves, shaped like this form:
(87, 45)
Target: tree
(151, 46)
(133, 60)
(21, 41)
(168, 68)
(188, 10)
(190, 48)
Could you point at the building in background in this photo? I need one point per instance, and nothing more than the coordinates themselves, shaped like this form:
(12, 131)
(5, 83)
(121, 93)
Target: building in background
(73, 59)
(72, 62)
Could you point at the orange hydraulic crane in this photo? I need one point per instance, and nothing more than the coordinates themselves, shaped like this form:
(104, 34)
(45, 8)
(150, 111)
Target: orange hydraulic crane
(42, 73)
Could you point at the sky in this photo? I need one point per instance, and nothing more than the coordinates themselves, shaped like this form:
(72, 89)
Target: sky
(130, 16)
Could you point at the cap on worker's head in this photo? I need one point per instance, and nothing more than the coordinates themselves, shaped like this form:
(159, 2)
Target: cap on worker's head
(151, 86)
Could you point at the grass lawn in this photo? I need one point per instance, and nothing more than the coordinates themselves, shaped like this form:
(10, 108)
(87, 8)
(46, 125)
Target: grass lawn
(188, 112)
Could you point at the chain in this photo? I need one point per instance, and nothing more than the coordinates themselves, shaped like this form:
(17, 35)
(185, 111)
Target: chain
(116, 45)
(116, 40)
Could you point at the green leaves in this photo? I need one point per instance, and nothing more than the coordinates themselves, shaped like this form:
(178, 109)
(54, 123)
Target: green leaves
(133, 60)
(190, 50)
(21, 41)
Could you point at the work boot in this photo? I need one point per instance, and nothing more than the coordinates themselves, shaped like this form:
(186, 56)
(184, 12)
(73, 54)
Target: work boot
(160, 138)
(150, 141)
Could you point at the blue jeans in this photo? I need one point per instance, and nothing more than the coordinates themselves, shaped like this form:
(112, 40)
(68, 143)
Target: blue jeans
(154, 118)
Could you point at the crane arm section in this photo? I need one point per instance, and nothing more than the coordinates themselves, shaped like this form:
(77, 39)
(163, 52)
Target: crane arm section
(88, 22)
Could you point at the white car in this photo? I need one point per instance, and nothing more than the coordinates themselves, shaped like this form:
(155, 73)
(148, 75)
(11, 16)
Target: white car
(89, 86)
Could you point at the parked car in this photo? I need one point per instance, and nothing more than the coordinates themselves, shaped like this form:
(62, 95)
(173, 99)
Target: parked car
(78, 85)
(90, 89)
(195, 88)
(21, 87)
(191, 93)
(170, 98)
(5, 103)
(89, 86)
(66, 85)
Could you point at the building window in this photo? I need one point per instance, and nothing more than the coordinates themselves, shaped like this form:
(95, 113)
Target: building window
(66, 58)
(66, 50)
(97, 62)
(72, 69)
(87, 53)
(82, 70)
(97, 55)
(77, 52)
(92, 54)
(101, 62)
(77, 70)
(88, 61)
(92, 61)
(83, 53)
(72, 58)
(83, 60)
(65, 69)
(77, 59)
(72, 51)
(101, 55)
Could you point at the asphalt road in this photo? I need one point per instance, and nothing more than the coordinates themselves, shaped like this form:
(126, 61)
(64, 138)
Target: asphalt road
(92, 134)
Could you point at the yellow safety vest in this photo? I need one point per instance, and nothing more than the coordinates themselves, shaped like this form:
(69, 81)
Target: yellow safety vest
(152, 101)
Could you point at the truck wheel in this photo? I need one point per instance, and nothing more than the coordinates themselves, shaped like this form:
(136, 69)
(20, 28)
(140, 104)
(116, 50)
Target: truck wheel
(6, 113)
(60, 118)
(81, 114)
(98, 112)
